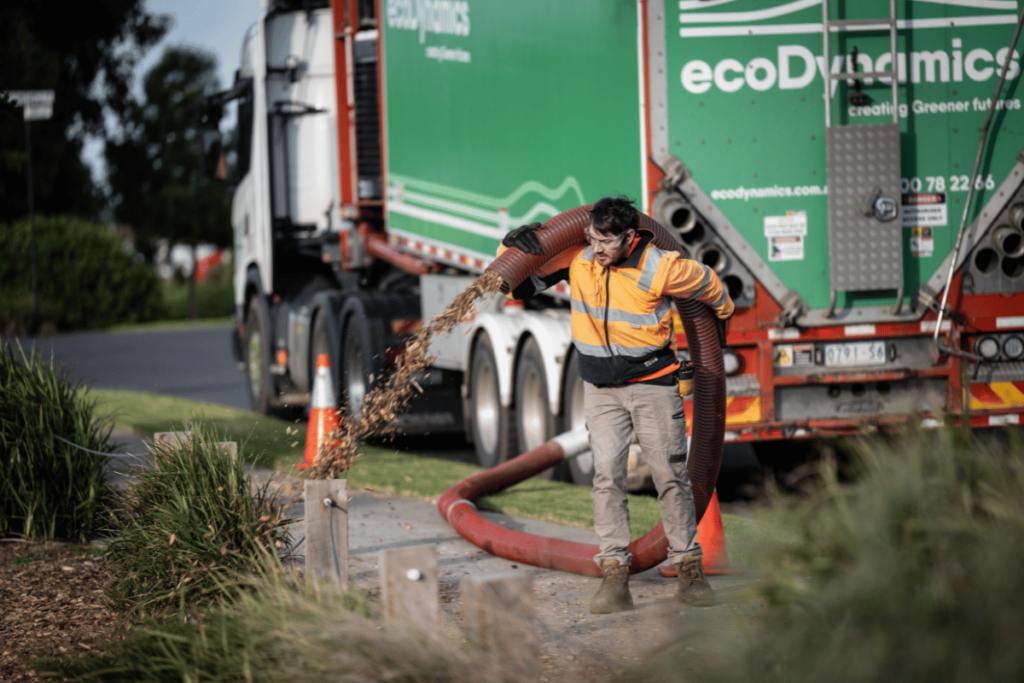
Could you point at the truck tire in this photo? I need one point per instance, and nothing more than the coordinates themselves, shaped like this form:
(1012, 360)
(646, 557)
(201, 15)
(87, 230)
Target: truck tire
(533, 419)
(371, 323)
(581, 468)
(257, 357)
(360, 364)
(321, 343)
(789, 463)
(493, 433)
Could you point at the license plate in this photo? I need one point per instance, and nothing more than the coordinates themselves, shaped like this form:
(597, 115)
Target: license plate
(855, 353)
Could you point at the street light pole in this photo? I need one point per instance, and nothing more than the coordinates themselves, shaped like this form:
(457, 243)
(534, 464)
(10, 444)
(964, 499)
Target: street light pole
(32, 228)
(37, 105)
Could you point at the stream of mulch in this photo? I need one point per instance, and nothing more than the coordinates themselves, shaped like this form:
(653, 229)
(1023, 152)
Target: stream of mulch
(51, 604)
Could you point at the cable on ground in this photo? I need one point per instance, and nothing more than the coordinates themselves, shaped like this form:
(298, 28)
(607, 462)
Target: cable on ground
(330, 516)
(89, 450)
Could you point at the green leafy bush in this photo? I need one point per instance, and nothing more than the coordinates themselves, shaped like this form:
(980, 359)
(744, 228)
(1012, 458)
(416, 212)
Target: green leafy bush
(48, 489)
(913, 572)
(86, 278)
(188, 523)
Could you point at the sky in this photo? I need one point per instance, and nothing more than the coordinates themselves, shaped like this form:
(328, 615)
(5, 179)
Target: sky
(214, 25)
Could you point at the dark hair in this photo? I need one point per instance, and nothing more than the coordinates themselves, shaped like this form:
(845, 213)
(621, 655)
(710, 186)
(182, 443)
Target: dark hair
(615, 215)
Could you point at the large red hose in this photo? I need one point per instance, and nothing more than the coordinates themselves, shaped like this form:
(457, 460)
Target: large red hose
(565, 231)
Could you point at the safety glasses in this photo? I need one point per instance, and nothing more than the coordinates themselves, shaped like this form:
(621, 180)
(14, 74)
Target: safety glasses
(596, 241)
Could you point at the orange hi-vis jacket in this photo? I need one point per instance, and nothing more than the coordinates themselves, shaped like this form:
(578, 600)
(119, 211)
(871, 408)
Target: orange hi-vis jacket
(622, 315)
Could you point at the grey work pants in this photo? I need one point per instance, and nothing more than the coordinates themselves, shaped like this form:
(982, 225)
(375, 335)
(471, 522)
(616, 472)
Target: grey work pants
(655, 414)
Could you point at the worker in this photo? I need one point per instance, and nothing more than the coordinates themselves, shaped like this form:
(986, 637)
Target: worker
(622, 288)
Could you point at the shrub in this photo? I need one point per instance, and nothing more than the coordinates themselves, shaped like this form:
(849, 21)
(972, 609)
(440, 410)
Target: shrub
(48, 489)
(215, 297)
(910, 573)
(188, 523)
(86, 278)
(281, 634)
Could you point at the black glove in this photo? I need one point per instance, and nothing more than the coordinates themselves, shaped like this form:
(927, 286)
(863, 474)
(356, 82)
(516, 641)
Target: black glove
(721, 330)
(522, 238)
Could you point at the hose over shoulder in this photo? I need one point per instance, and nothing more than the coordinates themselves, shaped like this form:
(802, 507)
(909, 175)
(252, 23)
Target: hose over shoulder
(565, 231)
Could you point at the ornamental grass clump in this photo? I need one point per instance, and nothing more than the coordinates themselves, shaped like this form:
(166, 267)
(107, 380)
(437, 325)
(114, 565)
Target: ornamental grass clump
(48, 488)
(188, 523)
(911, 572)
(272, 631)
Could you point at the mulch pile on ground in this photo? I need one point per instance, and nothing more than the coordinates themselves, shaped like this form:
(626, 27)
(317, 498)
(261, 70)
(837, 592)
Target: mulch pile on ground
(386, 402)
(52, 604)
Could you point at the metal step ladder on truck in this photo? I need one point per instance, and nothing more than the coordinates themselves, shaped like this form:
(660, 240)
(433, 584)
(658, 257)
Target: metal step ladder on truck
(386, 147)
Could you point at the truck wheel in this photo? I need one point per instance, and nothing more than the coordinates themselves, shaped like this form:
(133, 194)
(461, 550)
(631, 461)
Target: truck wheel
(534, 422)
(322, 344)
(581, 468)
(257, 357)
(356, 374)
(789, 463)
(493, 435)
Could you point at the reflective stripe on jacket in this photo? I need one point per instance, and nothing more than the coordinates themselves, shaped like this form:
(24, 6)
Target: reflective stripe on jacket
(622, 315)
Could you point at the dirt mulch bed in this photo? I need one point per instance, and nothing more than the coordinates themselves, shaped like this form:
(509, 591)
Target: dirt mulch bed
(51, 604)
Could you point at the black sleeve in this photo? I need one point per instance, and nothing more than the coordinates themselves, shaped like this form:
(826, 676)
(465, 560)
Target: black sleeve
(533, 285)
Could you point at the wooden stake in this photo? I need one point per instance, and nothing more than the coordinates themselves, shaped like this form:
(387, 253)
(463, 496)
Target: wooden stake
(326, 560)
(408, 579)
(169, 438)
(500, 616)
(230, 448)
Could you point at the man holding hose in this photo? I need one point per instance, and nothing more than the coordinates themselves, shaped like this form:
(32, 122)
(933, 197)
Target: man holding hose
(622, 289)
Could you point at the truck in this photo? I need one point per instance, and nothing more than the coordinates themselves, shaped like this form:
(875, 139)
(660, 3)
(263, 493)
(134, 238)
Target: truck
(819, 156)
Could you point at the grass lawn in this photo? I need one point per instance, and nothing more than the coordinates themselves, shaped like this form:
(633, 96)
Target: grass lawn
(270, 442)
(263, 441)
(171, 325)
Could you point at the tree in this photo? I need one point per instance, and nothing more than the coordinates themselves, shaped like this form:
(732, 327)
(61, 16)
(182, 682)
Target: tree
(155, 169)
(86, 52)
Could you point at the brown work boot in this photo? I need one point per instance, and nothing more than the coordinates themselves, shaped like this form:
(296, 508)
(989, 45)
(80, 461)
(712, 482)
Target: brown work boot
(694, 589)
(613, 595)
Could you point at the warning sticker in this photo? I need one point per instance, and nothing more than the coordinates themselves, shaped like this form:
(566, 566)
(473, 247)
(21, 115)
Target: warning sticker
(786, 236)
(786, 248)
(922, 244)
(794, 355)
(794, 223)
(929, 209)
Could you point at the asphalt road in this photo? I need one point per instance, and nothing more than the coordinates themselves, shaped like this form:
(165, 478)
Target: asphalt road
(189, 363)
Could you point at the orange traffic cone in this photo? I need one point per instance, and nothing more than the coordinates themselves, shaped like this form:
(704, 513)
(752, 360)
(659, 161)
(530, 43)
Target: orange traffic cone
(323, 412)
(711, 537)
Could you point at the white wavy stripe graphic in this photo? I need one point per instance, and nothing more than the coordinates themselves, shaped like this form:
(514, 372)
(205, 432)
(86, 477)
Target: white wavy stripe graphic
(701, 4)
(570, 183)
(1004, 5)
(473, 212)
(551, 194)
(449, 206)
(537, 210)
(750, 15)
(785, 29)
(445, 219)
(798, 5)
